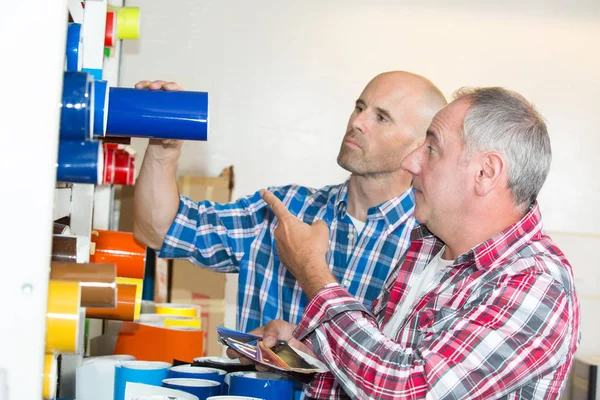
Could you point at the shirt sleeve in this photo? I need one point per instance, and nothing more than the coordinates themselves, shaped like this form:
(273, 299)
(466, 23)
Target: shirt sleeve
(508, 335)
(214, 235)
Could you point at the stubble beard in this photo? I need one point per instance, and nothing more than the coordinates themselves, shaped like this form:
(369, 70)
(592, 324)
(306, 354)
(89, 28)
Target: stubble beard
(352, 161)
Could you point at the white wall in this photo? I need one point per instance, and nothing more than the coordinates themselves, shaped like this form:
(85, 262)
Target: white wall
(283, 76)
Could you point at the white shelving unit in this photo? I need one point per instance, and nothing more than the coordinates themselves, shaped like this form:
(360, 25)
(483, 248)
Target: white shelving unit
(33, 47)
(33, 42)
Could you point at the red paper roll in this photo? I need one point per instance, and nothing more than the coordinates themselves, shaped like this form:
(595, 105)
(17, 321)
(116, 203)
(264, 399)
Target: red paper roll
(110, 31)
(109, 165)
(121, 167)
(131, 177)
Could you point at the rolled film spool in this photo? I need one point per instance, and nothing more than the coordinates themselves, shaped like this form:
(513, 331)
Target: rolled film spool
(77, 105)
(121, 249)
(158, 114)
(63, 329)
(98, 282)
(64, 249)
(182, 310)
(80, 162)
(125, 308)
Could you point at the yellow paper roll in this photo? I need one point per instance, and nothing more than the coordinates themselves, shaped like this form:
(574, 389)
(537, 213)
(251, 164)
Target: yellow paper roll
(50, 376)
(182, 310)
(62, 317)
(138, 293)
(177, 321)
(128, 23)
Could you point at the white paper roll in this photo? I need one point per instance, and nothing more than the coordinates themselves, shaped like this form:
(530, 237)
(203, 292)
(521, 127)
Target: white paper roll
(141, 391)
(96, 377)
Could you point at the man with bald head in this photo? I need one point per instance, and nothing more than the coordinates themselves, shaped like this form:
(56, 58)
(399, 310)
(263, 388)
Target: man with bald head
(370, 215)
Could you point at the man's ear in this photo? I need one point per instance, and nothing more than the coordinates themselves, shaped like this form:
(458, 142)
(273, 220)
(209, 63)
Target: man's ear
(489, 174)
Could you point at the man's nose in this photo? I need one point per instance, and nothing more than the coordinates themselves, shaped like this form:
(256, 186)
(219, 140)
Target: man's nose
(412, 162)
(359, 122)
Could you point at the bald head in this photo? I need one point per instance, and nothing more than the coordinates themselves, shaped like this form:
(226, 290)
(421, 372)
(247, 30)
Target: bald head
(390, 119)
(420, 98)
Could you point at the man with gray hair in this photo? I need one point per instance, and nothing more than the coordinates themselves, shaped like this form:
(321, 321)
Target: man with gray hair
(483, 303)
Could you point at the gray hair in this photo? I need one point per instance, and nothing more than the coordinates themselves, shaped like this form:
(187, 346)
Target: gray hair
(501, 120)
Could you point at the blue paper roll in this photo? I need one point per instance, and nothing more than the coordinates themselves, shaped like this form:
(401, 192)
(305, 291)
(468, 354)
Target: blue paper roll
(148, 372)
(100, 108)
(189, 371)
(80, 162)
(198, 387)
(76, 113)
(158, 114)
(73, 48)
(264, 385)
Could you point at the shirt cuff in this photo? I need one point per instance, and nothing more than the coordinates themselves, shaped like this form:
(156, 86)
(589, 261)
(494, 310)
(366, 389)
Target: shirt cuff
(329, 301)
(181, 237)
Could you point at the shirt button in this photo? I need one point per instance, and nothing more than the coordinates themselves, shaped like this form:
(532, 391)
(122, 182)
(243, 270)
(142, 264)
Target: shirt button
(351, 236)
(346, 283)
(390, 228)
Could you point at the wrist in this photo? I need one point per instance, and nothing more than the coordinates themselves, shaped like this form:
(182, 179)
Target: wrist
(166, 157)
(319, 277)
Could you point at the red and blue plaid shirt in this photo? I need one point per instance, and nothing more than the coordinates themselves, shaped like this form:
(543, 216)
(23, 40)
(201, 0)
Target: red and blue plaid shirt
(502, 321)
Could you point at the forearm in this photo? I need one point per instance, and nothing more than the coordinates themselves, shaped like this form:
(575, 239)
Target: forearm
(314, 278)
(156, 197)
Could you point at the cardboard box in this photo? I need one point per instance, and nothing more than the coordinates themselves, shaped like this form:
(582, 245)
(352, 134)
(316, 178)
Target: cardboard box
(196, 285)
(585, 378)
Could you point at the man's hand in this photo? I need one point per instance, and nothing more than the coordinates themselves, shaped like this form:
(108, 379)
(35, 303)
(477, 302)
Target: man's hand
(164, 148)
(271, 333)
(301, 247)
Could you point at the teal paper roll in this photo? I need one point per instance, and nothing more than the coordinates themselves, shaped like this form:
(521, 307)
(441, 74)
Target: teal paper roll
(148, 372)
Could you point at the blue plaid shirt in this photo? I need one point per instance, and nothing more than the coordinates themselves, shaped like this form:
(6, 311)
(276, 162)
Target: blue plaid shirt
(238, 237)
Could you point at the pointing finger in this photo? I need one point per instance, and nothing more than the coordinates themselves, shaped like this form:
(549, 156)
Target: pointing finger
(172, 86)
(275, 204)
(156, 85)
(142, 84)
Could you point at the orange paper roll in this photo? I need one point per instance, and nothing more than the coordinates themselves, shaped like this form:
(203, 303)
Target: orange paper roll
(125, 309)
(120, 248)
(139, 283)
(50, 376)
(146, 342)
(182, 310)
(98, 282)
(62, 317)
(64, 248)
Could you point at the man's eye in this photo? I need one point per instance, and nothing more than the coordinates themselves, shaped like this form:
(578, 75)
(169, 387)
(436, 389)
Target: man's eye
(381, 118)
(430, 150)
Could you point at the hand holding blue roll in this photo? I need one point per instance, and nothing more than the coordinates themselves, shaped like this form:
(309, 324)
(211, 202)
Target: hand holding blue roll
(158, 110)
